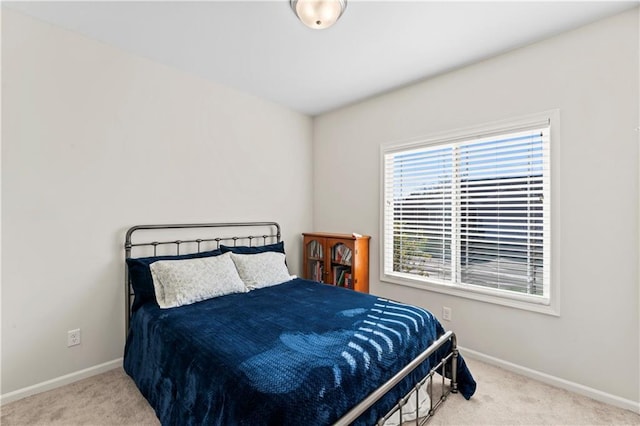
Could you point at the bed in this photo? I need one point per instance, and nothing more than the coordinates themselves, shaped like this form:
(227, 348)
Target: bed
(272, 349)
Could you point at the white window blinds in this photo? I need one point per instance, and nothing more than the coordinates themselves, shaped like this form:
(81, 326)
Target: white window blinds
(470, 212)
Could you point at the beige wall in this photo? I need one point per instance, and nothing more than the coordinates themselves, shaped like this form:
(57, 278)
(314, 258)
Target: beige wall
(591, 75)
(95, 140)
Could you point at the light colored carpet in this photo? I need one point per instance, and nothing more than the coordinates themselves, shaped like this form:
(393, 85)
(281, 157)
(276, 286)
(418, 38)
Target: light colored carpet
(502, 398)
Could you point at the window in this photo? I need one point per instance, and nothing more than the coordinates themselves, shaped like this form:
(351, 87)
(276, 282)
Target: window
(469, 213)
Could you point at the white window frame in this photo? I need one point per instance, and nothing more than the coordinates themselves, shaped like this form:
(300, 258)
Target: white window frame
(549, 304)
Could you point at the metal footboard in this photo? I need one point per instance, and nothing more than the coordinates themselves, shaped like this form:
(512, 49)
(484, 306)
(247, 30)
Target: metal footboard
(451, 357)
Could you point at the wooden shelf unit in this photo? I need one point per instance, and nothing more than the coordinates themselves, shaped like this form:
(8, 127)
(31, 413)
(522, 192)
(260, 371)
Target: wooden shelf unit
(337, 259)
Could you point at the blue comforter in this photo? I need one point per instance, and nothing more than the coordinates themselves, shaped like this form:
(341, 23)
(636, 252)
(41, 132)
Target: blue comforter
(299, 353)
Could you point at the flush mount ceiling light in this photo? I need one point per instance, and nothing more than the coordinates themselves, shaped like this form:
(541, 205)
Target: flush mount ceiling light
(318, 14)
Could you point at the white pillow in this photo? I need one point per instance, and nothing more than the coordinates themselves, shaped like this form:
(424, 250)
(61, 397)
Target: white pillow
(186, 281)
(261, 269)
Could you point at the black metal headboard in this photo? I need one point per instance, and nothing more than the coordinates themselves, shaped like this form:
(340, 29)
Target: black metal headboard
(191, 238)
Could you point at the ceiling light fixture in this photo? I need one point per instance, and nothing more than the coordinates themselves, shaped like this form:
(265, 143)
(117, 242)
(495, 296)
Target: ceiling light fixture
(318, 14)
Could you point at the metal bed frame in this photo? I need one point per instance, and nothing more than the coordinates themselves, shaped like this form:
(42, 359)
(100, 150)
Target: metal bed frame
(273, 235)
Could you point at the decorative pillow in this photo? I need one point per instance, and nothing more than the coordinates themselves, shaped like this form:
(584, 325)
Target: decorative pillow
(141, 279)
(277, 247)
(261, 269)
(183, 282)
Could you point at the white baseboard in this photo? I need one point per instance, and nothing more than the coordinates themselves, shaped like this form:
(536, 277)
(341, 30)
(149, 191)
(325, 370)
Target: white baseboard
(59, 381)
(592, 393)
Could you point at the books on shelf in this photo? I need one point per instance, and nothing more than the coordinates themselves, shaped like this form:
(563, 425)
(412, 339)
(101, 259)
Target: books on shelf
(342, 276)
(315, 249)
(340, 253)
(317, 270)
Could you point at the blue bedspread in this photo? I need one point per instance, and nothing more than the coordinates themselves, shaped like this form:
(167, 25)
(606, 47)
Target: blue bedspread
(298, 353)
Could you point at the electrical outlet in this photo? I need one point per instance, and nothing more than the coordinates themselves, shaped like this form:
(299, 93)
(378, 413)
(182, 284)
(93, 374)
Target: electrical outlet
(446, 313)
(73, 337)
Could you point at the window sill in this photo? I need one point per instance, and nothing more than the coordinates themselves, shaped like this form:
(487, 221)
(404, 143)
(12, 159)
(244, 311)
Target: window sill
(492, 296)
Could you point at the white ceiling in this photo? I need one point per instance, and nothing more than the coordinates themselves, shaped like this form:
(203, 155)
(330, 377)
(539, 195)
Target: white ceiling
(260, 47)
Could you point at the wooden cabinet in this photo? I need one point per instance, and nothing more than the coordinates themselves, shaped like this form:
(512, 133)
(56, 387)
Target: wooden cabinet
(337, 259)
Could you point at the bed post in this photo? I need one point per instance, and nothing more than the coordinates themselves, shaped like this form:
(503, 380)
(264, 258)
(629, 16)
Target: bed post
(127, 289)
(454, 363)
